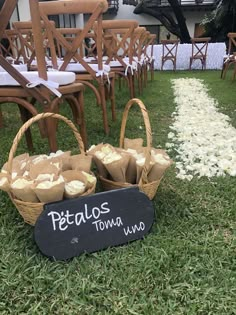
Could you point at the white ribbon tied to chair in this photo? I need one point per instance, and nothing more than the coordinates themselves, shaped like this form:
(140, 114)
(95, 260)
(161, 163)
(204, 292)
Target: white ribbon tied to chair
(132, 68)
(101, 73)
(51, 85)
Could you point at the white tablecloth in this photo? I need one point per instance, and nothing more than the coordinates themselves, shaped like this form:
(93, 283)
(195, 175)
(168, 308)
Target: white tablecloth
(215, 54)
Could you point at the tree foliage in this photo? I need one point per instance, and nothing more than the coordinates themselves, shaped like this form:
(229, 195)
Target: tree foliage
(221, 21)
(175, 24)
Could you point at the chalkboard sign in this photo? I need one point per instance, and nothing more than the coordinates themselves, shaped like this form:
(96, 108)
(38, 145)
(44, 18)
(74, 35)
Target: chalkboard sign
(68, 228)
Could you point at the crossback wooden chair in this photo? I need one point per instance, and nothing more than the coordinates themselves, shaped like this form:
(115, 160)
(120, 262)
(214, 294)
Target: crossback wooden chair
(11, 50)
(148, 56)
(230, 58)
(73, 58)
(140, 35)
(48, 89)
(169, 51)
(118, 44)
(89, 54)
(199, 51)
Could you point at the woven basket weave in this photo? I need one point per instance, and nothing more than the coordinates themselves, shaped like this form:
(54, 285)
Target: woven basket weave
(28, 210)
(149, 188)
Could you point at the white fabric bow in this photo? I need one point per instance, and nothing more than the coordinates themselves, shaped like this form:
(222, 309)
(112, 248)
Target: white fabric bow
(131, 67)
(51, 85)
(101, 73)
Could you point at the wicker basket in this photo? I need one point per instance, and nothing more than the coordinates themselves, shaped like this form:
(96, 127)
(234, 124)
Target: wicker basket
(149, 188)
(28, 210)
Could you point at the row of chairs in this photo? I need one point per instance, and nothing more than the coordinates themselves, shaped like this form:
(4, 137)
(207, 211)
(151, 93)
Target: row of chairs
(199, 51)
(41, 54)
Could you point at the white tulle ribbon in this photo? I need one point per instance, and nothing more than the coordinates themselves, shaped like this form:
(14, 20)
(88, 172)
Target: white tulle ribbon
(51, 85)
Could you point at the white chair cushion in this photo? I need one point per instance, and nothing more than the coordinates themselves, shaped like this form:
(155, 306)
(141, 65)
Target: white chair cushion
(77, 67)
(21, 67)
(60, 77)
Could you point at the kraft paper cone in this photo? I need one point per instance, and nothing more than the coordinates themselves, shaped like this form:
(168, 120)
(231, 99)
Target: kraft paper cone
(4, 182)
(18, 168)
(99, 165)
(131, 172)
(64, 158)
(50, 191)
(133, 143)
(72, 187)
(139, 166)
(21, 157)
(117, 169)
(22, 189)
(34, 159)
(81, 162)
(44, 167)
(158, 169)
(91, 179)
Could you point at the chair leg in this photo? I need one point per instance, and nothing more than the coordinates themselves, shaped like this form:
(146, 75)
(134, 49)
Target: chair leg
(1, 118)
(222, 70)
(112, 97)
(82, 125)
(131, 84)
(152, 70)
(190, 63)
(104, 109)
(226, 67)
(234, 73)
(26, 115)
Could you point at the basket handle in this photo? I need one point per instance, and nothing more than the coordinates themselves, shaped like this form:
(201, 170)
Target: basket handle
(36, 118)
(143, 179)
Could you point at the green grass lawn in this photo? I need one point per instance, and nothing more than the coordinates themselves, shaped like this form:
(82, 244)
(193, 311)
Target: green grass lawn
(186, 265)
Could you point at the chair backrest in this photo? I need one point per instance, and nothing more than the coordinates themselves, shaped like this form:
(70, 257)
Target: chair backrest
(169, 48)
(199, 47)
(5, 15)
(119, 36)
(25, 39)
(93, 7)
(232, 43)
(140, 35)
(88, 47)
(149, 46)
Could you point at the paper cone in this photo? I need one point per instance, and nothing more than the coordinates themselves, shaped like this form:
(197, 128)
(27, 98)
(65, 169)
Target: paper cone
(44, 167)
(22, 189)
(72, 187)
(81, 162)
(50, 191)
(133, 143)
(4, 182)
(117, 169)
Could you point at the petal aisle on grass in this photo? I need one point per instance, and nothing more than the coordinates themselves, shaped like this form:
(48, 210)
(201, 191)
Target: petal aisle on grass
(202, 137)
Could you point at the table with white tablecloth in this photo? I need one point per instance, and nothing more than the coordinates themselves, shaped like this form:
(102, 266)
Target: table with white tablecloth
(215, 55)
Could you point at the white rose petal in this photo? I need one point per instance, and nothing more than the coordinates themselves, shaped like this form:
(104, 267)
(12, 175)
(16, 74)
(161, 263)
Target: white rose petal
(202, 137)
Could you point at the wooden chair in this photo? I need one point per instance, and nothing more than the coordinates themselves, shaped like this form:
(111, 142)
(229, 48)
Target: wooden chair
(24, 87)
(199, 51)
(140, 40)
(169, 51)
(149, 56)
(118, 39)
(230, 58)
(89, 54)
(73, 58)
